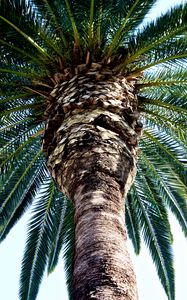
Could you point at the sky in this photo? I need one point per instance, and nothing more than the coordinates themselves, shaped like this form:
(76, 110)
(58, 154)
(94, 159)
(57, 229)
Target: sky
(53, 286)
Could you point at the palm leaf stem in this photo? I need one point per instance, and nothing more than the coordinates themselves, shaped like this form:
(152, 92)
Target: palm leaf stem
(59, 29)
(75, 31)
(99, 24)
(152, 197)
(159, 103)
(161, 117)
(90, 32)
(37, 92)
(119, 31)
(15, 97)
(13, 154)
(38, 133)
(160, 83)
(26, 54)
(28, 38)
(50, 44)
(18, 73)
(39, 240)
(155, 63)
(157, 247)
(166, 189)
(21, 178)
(161, 146)
(19, 203)
(14, 124)
(154, 44)
(21, 108)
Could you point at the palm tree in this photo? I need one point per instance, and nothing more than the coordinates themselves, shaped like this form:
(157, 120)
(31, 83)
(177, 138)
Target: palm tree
(79, 80)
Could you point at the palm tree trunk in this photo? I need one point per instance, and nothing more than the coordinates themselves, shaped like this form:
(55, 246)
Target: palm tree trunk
(97, 178)
(92, 157)
(102, 266)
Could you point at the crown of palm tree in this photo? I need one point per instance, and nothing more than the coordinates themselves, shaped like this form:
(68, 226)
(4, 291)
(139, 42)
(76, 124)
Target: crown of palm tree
(43, 42)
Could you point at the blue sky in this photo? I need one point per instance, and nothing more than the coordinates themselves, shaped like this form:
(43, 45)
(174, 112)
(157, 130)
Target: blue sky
(53, 287)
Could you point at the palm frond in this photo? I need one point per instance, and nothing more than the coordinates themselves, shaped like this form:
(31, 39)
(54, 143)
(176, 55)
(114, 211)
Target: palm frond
(166, 184)
(13, 142)
(37, 245)
(25, 30)
(163, 78)
(168, 147)
(50, 10)
(166, 29)
(133, 226)
(174, 96)
(73, 23)
(15, 184)
(133, 13)
(168, 59)
(28, 38)
(12, 50)
(17, 72)
(69, 243)
(57, 232)
(16, 212)
(177, 134)
(156, 232)
(165, 111)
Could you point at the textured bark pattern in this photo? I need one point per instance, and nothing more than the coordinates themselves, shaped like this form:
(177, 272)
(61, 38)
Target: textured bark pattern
(90, 142)
(102, 269)
(96, 176)
(88, 90)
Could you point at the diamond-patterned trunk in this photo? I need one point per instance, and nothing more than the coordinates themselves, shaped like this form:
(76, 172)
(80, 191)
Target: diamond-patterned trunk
(90, 142)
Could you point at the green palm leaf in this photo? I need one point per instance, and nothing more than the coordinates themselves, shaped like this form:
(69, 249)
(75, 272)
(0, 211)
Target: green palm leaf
(164, 79)
(134, 12)
(58, 232)
(69, 242)
(164, 29)
(168, 148)
(153, 221)
(37, 245)
(15, 212)
(17, 184)
(164, 180)
(133, 226)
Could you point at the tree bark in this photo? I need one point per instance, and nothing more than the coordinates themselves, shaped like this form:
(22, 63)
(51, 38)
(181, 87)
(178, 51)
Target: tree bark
(102, 266)
(97, 178)
(93, 161)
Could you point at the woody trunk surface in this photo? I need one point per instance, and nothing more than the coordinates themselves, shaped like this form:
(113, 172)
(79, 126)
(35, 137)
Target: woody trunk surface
(90, 142)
